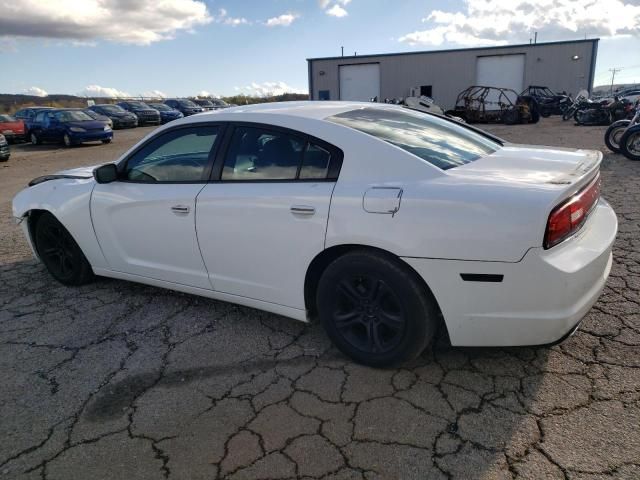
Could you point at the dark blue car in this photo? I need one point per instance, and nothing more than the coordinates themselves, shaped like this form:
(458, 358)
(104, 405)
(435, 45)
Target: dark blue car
(167, 113)
(187, 107)
(69, 126)
(28, 115)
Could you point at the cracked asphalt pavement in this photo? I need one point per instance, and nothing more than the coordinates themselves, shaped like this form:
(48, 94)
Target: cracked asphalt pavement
(116, 380)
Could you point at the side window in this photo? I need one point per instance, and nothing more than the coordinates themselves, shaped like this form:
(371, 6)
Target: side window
(315, 164)
(180, 155)
(39, 117)
(260, 154)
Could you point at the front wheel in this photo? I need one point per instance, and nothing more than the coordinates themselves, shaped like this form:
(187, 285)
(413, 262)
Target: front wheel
(614, 133)
(60, 253)
(67, 140)
(106, 140)
(630, 143)
(375, 310)
(568, 113)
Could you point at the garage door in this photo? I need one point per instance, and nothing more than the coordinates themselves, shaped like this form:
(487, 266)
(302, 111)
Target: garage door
(505, 71)
(360, 82)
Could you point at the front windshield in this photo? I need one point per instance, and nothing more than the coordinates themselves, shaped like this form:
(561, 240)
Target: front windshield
(73, 116)
(139, 105)
(160, 107)
(206, 103)
(187, 103)
(112, 109)
(219, 102)
(441, 142)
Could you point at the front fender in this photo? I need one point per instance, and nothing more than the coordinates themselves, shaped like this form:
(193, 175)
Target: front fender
(69, 201)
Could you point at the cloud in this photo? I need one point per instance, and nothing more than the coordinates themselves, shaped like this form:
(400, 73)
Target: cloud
(207, 94)
(98, 91)
(268, 89)
(496, 22)
(334, 8)
(223, 17)
(35, 91)
(153, 94)
(283, 20)
(139, 22)
(337, 11)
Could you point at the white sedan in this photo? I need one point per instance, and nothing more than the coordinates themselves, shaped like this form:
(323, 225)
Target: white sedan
(380, 221)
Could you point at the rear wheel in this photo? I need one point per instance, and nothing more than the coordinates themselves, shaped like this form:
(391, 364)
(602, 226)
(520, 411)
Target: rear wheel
(630, 143)
(375, 310)
(614, 133)
(60, 253)
(67, 140)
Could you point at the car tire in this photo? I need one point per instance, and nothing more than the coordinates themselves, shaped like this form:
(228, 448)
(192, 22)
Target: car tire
(60, 253)
(375, 309)
(66, 140)
(614, 133)
(511, 117)
(630, 143)
(106, 140)
(34, 139)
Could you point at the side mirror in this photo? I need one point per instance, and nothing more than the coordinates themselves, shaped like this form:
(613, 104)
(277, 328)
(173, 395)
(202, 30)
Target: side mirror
(106, 173)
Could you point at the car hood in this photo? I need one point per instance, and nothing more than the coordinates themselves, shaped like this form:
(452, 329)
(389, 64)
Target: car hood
(88, 125)
(81, 172)
(550, 167)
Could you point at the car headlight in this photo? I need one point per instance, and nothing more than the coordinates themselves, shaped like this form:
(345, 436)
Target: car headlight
(77, 129)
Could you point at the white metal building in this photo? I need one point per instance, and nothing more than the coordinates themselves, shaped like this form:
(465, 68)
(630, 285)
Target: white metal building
(562, 66)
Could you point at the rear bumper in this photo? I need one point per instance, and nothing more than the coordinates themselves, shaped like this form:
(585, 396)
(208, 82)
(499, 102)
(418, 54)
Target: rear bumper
(540, 300)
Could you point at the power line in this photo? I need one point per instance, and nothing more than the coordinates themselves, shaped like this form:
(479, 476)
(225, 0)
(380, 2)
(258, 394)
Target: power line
(613, 76)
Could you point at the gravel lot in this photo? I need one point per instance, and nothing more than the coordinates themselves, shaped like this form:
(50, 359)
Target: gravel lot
(122, 381)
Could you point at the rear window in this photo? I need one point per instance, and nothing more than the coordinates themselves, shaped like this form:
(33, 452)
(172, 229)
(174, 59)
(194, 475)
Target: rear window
(438, 141)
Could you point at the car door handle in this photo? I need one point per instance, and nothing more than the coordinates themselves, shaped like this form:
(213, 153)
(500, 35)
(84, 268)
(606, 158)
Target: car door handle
(180, 209)
(302, 210)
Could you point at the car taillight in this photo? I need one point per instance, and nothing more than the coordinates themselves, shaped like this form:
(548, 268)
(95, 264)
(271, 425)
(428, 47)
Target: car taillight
(568, 217)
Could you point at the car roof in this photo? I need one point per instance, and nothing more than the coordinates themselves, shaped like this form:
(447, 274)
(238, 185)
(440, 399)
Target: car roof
(317, 110)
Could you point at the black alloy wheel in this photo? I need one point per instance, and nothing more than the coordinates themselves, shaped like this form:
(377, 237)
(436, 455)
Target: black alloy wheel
(368, 314)
(375, 309)
(60, 253)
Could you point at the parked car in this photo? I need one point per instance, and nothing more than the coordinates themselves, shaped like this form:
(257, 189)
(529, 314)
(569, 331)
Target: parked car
(205, 103)
(5, 152)
(187, 107)
(27, 115)
(118, 115)
(70, 126)
(12, 128)
(145, 114)
(218, 103)
(167, 114)
(431, 221)
(99, 117)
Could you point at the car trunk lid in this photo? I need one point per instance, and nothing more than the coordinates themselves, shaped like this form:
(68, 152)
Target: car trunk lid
(547, 167)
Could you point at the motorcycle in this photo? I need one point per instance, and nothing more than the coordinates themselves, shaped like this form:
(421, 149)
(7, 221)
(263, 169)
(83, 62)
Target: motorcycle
(604, 112)
(581, 101)
(630, 141)
(615, 132)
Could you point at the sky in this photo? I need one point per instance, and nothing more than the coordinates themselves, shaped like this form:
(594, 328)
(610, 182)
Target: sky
(260, 47)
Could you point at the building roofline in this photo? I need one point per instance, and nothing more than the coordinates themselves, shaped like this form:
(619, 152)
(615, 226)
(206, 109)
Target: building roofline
(521, 45)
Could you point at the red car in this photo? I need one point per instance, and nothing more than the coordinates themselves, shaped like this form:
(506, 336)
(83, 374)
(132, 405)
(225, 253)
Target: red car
(12, 128)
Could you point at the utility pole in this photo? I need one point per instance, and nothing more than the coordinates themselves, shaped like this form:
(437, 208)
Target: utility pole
(342, 51)
(613, 76)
